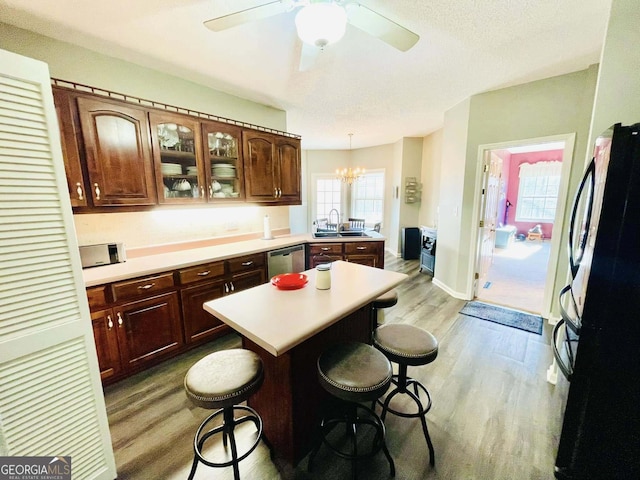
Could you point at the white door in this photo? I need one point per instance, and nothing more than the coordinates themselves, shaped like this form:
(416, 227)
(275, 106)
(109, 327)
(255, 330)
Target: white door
(491, 177)
(51, 400)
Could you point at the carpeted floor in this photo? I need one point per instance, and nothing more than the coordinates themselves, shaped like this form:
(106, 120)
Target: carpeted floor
(517, 276)
(504, 316)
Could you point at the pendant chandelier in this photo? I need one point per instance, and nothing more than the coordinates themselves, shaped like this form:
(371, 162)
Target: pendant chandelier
(350, 175)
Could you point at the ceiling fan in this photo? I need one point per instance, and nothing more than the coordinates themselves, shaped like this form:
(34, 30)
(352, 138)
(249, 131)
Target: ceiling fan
(322, 22)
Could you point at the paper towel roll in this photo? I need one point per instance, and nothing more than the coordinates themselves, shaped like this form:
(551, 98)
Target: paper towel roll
(267, 229)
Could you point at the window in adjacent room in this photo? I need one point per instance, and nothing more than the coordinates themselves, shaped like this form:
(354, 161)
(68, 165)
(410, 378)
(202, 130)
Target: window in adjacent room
(538, 191)
(367, 196)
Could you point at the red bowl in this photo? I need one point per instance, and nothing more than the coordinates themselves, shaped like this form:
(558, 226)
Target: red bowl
(289, 281)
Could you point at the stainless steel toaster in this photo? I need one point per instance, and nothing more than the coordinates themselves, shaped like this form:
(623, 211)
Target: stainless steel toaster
(102, 254)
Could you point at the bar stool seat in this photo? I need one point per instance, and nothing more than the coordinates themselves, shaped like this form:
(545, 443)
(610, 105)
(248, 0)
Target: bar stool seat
(386, 300)
(353, 373)
(407, 345)
(222, 380)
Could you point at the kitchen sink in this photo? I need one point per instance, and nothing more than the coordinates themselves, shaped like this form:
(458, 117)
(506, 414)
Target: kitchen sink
(344, 233)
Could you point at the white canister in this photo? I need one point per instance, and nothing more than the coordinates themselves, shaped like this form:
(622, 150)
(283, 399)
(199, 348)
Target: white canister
(323, 276)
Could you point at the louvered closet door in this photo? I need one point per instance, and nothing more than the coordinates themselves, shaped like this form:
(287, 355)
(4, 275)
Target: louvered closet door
(51, 401)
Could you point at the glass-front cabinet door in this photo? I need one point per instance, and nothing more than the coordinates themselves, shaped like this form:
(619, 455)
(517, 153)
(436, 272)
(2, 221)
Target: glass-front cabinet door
(224, 172)
(179, 168)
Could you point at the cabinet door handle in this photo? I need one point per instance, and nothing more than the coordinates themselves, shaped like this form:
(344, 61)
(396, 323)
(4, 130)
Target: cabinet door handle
(233, 288)
(275, 192)
(119, 319)
(279, 193)
(226, 288)
(109, 322)
(210, 191)
(96, 188)
(361, 248)
(146, 287)
(202, 192)
(79, 191)
(204, 274)
(325, 249)
(247, 264)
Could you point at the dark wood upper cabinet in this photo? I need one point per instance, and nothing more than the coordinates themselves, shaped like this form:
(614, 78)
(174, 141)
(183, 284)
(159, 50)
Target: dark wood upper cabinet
(288, 153)
(259, 166)
(223, 161)
(118, 152)
(272, 168)
(177, 153)
(70, 151)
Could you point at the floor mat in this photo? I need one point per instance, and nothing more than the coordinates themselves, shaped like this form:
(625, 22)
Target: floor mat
(504, 316)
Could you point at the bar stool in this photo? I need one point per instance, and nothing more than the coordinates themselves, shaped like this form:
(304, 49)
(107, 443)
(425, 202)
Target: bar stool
(386, 300)
(222, 380)
(407, 345)
(353, 373)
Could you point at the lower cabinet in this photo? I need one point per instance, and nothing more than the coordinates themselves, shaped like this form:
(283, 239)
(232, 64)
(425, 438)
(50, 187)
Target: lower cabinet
(106, 338)
(135, 334)
(364, 253)
(140, 322)
(198, 324)
(150, 329)
(323, 253)
(210, 281)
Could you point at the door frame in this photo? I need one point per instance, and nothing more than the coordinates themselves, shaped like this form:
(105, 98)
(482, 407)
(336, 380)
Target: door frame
(569, 140)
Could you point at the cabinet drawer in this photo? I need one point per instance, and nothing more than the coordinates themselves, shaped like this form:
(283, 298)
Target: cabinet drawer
(97, 297)
(248, 262)
(325, 248)
(360, 247)
(142, 286)
(201, 272)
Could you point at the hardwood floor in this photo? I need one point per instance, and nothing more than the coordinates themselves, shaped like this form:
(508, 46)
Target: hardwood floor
(494, 416)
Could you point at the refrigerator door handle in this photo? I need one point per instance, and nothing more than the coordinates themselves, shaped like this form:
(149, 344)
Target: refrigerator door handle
(587, 179)
(566, 370)
(573, 323)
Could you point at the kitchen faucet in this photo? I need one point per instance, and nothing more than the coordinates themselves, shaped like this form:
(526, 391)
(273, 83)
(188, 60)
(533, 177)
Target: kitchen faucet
(331, 222)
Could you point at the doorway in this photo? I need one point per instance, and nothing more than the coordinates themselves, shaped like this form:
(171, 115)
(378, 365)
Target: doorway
(519, 270)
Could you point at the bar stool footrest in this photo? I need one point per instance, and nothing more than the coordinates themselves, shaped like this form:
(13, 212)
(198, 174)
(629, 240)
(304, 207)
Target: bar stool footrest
(227, 430)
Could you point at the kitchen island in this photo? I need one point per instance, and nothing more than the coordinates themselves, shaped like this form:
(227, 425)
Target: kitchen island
(289, 329)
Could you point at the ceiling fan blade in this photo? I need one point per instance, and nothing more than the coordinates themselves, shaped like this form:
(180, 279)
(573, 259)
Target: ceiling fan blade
(308, 56)
(380, 26)
(245, 16)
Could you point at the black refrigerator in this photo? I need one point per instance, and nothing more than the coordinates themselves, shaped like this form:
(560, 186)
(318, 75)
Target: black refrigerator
(600, 328)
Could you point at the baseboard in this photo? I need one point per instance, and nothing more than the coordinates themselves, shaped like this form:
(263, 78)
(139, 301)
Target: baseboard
(448, 290)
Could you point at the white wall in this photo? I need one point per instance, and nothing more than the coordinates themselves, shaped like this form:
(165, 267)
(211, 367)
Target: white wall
(618, 91)
(452, 179)
(553, 106)
(80, 65)
(72, 63)
(430, 178)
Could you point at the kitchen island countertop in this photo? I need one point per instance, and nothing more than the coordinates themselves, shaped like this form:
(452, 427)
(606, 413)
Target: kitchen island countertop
(278, 320)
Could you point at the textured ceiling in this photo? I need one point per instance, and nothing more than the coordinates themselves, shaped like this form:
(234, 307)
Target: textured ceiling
(359, 85)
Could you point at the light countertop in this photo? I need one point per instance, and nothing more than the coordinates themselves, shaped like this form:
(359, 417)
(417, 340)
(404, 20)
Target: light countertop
(278, 320)
(187, 257)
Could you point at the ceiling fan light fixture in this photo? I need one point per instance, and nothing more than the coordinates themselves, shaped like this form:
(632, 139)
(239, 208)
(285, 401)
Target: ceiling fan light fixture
(320, 24)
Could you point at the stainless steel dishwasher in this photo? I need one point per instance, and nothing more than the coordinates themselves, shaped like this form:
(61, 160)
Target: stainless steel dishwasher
(286, 260)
